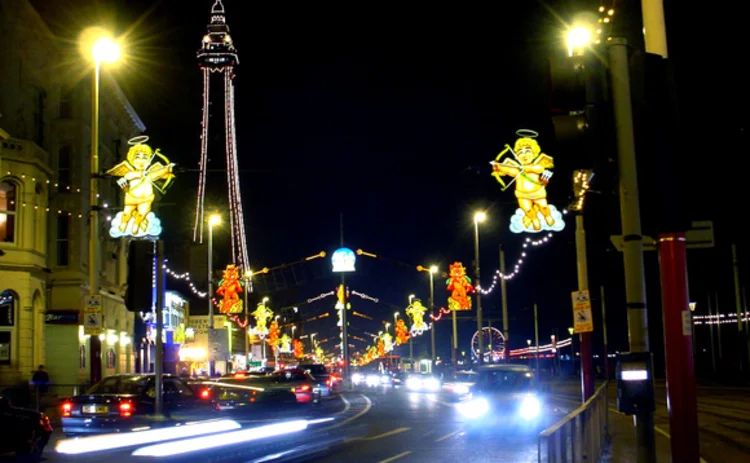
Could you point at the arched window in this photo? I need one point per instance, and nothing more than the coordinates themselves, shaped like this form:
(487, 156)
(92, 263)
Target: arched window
(8, 194)
(8, 301)
(63, 166)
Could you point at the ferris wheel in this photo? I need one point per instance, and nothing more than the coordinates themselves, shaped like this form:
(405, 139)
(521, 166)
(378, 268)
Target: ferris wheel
(493, 343)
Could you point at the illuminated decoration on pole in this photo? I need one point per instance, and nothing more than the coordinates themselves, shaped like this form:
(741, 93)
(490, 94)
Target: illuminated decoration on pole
(381, 348)
(218, 55)
(529, 168)
(459, 284)
(139, 178)
(298, 349)
(341, 298)
(285, 344)
(229, 287)
(343, 260)
(319, 354)
(416, 311)
(387, 342)
(262, 314)
(402, 333)
(273, 335)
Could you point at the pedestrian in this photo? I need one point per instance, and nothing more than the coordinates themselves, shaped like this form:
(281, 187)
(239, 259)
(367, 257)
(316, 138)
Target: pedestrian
(41, 380)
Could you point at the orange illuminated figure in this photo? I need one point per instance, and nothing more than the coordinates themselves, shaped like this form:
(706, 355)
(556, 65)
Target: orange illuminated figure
(229, 288)
(381, 348)
(402, 333)
(273, 335)
(298, 349)
(530, 169)
(459, 284)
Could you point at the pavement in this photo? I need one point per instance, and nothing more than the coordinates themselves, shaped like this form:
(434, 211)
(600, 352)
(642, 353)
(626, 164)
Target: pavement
(723, 422)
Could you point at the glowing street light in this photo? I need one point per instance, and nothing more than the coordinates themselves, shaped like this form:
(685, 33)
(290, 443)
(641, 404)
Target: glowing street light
(106, 50)
(480, 217)
(578, 37)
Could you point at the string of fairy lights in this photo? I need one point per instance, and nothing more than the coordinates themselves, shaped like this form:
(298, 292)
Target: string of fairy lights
(606, 15)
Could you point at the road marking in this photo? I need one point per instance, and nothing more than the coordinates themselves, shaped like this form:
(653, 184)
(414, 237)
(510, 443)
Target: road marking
(447, 436)
(387, 434)
(395, 457)
(352, 418)
(347, 406)
(436, 400)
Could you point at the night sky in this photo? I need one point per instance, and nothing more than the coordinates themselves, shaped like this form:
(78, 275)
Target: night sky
(390, 115)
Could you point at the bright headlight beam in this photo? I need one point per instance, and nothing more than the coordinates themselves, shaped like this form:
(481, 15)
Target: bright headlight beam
(211, 442)
(474, 408)
(530, 408)
(128, 439)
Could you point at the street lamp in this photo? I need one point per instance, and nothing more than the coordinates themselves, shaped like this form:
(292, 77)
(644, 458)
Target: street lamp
(97, 45)
(578, 37)
(213, 221)
(387, 325)
(528, 351)
(411, 338)
(479, 217)
(433, 271)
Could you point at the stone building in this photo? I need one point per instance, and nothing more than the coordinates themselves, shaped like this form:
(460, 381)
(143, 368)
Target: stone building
(45, 121)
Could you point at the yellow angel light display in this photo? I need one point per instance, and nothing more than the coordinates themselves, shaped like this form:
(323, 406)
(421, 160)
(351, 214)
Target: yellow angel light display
(262, 314)
(529, 168)
(139, 178)
(387, 342)
(416, 311)
(285, 344)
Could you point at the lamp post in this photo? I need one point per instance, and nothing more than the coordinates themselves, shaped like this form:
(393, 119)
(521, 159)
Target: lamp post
(103, 50)
(263, 342)
(411, 338)
(433, 271)
(212, 221)
(479, 217)
(248, 275)
(528, 343)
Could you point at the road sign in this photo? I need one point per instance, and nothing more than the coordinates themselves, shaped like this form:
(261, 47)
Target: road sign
(93, 315)
(700, 236)
(583, 321)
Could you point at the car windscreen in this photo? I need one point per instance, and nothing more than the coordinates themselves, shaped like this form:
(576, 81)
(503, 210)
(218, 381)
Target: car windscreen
(465, 377)
(506, 381)
(120, 385)
(289, 376)
(315, 369)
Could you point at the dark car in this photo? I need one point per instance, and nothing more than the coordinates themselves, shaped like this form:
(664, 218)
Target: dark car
(504, 396)
(325, 382)
(122, 402)
(24, 432)
(246, 393)
(298, 381)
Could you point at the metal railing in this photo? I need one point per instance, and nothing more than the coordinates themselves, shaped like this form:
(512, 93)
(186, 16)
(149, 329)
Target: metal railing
(580, 436)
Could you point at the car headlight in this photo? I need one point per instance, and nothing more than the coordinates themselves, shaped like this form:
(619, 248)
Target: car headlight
(461, 389)
(414, 383)
(357, 378)
(474, 408)
(385, 379)
(530, 407)
(432, 384)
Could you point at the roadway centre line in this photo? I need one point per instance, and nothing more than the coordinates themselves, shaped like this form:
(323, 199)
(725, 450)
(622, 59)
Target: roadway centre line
(447, 436)
(352, 418)
(379, 436)
(395, 457)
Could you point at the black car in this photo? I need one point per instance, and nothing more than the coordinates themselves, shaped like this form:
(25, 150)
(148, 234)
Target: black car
(24, 432)
(326, 383)
(123, 402)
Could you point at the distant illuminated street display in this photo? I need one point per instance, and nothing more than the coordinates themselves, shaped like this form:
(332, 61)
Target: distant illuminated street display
(529, 168)
(229, 288)
(343, 260)
(139, 178)
(459, 285)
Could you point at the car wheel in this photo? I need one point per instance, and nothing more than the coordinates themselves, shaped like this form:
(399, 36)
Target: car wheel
(34, 447)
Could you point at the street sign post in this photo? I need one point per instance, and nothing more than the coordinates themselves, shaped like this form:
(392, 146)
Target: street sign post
(93, 316)
(583, 321)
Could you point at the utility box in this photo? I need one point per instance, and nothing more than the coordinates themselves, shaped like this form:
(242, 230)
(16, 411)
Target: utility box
(635, 383)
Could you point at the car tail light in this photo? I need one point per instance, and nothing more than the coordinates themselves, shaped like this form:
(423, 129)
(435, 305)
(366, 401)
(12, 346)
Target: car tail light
(304, 388)
(205, 394)
(44, 423)
(67, 407)
(239, 375)
(126, 409)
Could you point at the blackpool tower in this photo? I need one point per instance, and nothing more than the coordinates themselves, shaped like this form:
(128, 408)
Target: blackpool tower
(217, 58)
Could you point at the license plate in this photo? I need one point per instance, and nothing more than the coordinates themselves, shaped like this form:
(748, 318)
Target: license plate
(95, 409)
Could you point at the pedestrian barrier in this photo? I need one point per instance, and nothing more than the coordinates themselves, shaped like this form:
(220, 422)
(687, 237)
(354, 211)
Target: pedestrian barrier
(580, 436)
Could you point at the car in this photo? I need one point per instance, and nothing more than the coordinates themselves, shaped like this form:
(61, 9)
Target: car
(24, 432)
(298, 381)
(325, 382)
(460, 385)
(122, 402)
(504, 396)
(423, 382)
(244, 394)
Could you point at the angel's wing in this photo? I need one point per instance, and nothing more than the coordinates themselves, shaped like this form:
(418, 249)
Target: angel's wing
(545, 161)
(120, 169)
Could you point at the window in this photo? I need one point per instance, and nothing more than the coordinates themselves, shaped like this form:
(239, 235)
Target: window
(7, 212)
(63, 166)
(111, 358)
(8, 308)
(66, 105)
(63, 240)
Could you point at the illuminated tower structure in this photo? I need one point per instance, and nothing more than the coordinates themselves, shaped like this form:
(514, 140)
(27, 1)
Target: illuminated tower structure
(218, 56)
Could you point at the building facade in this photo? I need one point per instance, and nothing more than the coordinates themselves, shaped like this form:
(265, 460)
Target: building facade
(44, 205)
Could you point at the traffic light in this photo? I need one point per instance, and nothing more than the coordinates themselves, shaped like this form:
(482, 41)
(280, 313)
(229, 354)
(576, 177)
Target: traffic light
(139, 295)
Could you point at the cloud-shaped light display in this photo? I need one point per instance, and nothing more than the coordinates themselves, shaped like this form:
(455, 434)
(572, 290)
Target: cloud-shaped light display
(516, 222)
(154, 227)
